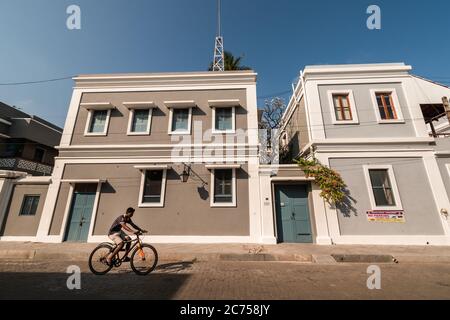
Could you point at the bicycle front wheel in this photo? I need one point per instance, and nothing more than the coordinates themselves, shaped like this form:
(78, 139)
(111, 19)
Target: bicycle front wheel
(97, 259)
(144, 259)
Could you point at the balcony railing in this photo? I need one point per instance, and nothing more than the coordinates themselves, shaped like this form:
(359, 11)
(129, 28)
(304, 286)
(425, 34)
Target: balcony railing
(440, 135)
(32, 167)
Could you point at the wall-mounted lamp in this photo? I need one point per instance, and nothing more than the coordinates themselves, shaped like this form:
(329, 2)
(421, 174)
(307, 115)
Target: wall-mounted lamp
(185, 174)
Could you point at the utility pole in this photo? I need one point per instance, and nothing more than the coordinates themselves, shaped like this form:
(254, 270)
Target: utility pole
(219, 53)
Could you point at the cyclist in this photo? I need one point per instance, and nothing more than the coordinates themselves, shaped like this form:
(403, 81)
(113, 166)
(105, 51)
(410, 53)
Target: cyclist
(117, 234)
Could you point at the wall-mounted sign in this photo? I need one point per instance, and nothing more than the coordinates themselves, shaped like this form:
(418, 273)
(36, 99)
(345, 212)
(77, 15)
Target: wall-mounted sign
(386, 216)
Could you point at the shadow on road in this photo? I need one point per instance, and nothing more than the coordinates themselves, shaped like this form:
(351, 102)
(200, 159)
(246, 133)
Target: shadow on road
(175, 267)
(38, 285)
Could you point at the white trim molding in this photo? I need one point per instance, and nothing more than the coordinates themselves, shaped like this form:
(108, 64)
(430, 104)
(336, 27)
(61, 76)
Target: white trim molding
(159, 204)
(351, 100)
(231, 204)
(224, 103)
(233, 120)
(89, 120)
(139, 105)
(390, 171)
(131, 118)
(185, 132)
(397, 106)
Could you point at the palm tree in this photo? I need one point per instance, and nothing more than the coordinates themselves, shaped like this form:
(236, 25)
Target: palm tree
(231, 63)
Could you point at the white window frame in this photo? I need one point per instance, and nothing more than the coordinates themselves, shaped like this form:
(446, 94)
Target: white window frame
(89, 119)
(186, 132)
(159, 204)
(394, 186)
(353, 110)
(233, 121)
(395, 100)
(232, 204)
(130, 122)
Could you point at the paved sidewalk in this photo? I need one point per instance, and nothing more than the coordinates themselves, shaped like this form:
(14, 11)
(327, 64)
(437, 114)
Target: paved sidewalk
(306, 253)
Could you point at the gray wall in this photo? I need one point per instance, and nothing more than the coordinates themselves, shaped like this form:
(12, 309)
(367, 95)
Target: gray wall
(187, 208)
(442, 163)
(368, 127)
(422, 216)
(16, 225)
(297, 129)
(117, 132)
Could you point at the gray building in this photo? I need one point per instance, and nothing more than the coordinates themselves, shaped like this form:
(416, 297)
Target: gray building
(27, 156)
(376, 125)
(27, 143)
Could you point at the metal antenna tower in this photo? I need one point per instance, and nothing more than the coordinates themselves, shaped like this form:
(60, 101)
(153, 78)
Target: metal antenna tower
(219, 54)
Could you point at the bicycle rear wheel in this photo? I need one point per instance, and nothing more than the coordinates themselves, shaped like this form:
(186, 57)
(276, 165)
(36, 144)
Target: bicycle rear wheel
(144, 259)
(97, 259)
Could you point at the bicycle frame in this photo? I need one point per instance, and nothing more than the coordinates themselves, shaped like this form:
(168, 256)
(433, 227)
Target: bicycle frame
(135, 242)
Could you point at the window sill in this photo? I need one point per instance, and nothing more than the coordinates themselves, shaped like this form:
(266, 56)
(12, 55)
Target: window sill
(391, 121)
(345, 122)
(96, 134)
(147, 205)
(225, 205)
(387, 209)
(138, 133)
(214, 131)
(180, 133)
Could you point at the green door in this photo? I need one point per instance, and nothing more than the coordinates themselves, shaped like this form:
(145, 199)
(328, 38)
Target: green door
(293, 221)
(80, 216)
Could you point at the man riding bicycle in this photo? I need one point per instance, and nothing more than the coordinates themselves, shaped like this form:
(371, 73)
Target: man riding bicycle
(117, 234)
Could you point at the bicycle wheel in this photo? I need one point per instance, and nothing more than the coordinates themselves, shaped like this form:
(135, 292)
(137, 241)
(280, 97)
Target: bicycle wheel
(144, 259)
(97, 259)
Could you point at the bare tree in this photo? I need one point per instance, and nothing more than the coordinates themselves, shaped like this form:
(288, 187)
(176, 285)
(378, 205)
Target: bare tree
(270, 121)
(272, 113)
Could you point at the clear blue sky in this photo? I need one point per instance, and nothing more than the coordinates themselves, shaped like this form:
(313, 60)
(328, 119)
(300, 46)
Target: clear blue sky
(278, 38)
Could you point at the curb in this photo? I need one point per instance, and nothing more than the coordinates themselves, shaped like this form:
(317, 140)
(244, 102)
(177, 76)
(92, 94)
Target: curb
(46, 255)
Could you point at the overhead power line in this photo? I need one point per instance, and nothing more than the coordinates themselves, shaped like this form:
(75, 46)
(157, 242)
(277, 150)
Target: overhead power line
(35, 82)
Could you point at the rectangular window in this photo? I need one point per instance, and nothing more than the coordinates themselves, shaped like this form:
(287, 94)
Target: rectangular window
(140, 121)
(224, 119)
(386, 106)
(153, 187)
(180, 120)
(223, 186)
(29, 205)
(39, 155)
(342, 107)
(382, 188)
(98, 121)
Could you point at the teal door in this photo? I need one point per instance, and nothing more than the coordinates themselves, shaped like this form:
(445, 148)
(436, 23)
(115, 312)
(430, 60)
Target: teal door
(293, 220)
(80, 216)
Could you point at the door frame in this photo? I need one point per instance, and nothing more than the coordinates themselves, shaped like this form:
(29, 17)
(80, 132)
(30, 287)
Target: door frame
(310, 206)
(70, 197)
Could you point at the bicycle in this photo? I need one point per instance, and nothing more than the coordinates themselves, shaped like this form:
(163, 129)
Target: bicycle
(144, 257)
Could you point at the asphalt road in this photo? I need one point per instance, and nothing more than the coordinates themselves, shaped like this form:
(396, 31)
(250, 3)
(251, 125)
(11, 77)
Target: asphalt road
(226, 280)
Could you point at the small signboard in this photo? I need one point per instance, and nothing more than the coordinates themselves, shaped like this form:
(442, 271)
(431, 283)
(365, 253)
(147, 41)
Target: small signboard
(386, 216)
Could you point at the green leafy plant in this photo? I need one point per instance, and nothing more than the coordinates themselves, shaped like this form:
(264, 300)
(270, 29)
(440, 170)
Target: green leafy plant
(329, 181)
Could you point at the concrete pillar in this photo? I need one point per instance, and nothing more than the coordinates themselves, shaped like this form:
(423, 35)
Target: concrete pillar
(267, 214)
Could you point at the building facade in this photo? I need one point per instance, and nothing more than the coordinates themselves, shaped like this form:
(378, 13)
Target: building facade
(183, 149)
(27, 153)
(371, 123)
(180, 148)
